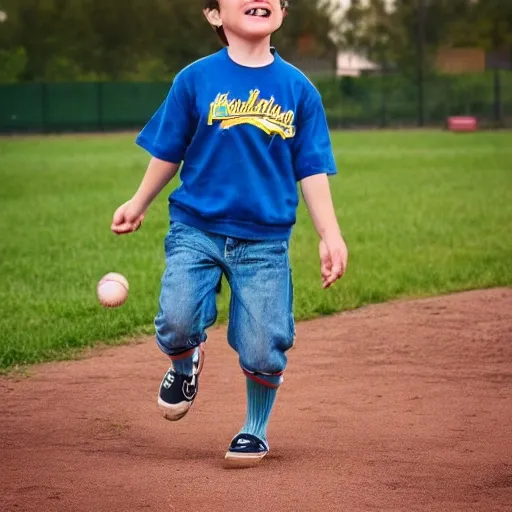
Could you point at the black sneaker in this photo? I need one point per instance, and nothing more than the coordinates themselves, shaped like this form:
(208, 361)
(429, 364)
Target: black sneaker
(245, 451)
(178, 392)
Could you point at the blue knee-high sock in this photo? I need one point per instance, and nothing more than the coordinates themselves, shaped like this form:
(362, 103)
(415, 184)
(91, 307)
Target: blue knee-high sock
(260, 400)
(185, 366)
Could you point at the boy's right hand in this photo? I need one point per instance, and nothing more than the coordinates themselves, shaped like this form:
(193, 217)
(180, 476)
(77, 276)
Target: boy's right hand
(128, 217)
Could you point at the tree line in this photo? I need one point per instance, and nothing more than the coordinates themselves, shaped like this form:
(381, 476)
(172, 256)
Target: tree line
(132, 40)
(58, 40)
(415, 29)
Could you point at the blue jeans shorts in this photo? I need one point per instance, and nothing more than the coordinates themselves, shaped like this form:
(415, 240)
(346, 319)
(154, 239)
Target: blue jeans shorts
(261, 326)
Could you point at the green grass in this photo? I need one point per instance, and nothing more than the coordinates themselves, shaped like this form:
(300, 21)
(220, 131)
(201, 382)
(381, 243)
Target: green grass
(423, 213)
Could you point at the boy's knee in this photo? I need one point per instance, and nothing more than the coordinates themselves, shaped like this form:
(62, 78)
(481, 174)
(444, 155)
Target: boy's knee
(174, 332)
(262, 366)
(264, 363)
(267, 371)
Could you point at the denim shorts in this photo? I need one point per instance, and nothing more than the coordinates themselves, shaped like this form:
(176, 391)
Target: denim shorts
(261, 326)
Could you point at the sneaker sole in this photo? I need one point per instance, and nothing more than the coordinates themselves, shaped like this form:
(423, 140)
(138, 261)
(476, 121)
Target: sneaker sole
(173, 412)
(242, 460)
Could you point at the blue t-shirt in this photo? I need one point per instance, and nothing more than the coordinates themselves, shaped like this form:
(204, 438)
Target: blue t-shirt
(246, 136)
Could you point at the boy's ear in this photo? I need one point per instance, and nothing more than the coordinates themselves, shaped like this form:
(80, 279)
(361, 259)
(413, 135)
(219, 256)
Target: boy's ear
(213, 17)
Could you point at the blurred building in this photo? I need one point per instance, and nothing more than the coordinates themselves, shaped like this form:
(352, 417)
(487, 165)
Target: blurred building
(352, 64)
(471, 60)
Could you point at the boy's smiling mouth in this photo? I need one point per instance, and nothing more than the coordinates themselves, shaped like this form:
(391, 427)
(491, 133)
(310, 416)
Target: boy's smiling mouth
(260, 12)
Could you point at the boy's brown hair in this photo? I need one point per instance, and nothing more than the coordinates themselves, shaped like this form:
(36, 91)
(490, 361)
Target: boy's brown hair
(214, 4)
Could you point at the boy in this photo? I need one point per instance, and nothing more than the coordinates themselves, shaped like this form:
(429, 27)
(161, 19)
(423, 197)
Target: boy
(247, 126)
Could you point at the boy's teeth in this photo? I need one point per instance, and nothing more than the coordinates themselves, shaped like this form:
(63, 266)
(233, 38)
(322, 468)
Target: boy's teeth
(257, 12)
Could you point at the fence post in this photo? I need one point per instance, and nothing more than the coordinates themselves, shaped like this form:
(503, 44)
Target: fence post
(496, 73)
(99, 99)
(497, 96)
(384, 103)
(44, 107)
(421, 62)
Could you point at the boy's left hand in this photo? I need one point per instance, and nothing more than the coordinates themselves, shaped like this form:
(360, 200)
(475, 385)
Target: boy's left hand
(333, 259)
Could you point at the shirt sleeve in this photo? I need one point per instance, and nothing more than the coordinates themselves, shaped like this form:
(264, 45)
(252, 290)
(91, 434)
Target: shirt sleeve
(312, 148)
(168, 133)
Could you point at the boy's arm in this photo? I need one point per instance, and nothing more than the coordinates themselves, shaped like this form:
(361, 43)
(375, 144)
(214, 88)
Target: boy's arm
(165, 137)
(158, 174)
(129, 216)
(333, 250)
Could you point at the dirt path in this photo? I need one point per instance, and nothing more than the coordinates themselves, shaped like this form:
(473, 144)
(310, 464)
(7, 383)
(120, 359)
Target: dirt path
(398, 407)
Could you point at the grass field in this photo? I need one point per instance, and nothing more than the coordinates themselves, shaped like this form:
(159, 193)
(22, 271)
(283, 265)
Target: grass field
(423, 213)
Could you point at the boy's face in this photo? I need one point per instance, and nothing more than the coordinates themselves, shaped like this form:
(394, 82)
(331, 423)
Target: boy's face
(249, 20)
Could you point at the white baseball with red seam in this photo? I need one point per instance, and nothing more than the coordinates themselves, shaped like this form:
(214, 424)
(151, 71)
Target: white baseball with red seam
(112, 290)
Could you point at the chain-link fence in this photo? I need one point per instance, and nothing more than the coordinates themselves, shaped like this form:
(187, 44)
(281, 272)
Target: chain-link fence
(78, 106)
(394, 100)
(382, 100)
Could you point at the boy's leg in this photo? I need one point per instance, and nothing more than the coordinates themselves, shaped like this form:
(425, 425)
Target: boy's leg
(187, 309)
(261, 330)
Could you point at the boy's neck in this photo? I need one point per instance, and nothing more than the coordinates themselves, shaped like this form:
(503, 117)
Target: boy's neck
(249, 53)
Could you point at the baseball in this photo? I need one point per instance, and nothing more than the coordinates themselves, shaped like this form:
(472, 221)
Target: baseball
(112, 290)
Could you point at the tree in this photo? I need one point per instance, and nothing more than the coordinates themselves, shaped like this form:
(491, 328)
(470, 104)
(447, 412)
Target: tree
(394, 34)
(134, 39)
(308, 21)
(12, 64)
(486, 24)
